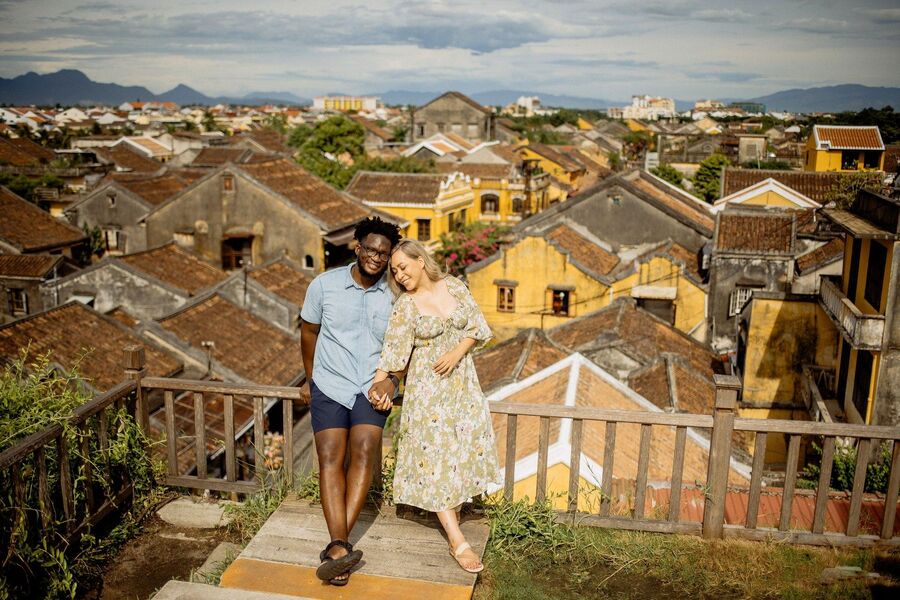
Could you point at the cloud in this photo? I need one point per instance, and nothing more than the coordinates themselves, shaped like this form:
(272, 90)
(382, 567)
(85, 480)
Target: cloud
(817, 25)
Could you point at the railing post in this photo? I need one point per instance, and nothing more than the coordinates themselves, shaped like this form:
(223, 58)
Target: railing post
(135, 369)
(727, 387)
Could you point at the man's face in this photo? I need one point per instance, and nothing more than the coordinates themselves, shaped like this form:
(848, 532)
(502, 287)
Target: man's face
(373, 254)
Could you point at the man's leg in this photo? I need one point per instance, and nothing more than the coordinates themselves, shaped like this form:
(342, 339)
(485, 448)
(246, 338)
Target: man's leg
(364, 442)
(331, 448)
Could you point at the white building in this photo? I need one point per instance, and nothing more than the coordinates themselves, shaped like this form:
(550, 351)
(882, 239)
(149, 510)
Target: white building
(649, 108)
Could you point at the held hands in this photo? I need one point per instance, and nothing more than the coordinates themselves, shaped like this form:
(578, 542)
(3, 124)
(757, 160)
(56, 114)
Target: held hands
(446, 363)
(381, 393)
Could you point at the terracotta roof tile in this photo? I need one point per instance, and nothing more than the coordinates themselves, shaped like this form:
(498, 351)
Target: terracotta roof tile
(125, 158)
(243, 342)
(554, 155)
(761, 232)
(682, 207)
(690, 259)
(31, 229)
(332, 208)
(216, 156)
(813, 185)
(583, 250)
(120, 315)
(283, 279)
(175, 266)
(479, 170)
(373, 127)
(76, 335)
(40, 153)
(842, 137)
(823, 255)
(153, 188)
(403, 188)
(464, 98)
(653, 384)
(27, 265)
(516, 358)
(13, 156)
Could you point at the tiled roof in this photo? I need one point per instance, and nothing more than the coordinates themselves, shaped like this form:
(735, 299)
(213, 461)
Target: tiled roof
(120, 315)
(459, 140)
(400, 188)
(690, 259)
(27, 265)
(815, 186)
(31, 229)
(372, 127)
(764, 231)
(268, 139)
(464, 98)
(153, 188)
(554, 155)
(215, 156)
(13, 156)
(175, 266)
(595, 388)
(153, 147)
(330, 207)
(516, 358)
(38, 152)
(243, 343)
(821, 256)
(683, 207)
(845, 137)
(892, 158)
(641, 335)
(583, 250)
(76, 335)
(125, 158)
(282, 278)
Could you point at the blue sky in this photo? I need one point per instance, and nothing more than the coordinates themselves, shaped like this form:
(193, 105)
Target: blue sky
(603, 49)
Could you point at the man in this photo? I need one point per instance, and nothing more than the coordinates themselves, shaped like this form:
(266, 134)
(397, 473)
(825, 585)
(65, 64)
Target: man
(342, 327)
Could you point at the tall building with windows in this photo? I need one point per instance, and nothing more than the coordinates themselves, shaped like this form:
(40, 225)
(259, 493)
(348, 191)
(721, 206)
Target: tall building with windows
(345, 103)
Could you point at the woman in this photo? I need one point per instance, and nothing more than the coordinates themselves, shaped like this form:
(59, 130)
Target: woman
(445, 451)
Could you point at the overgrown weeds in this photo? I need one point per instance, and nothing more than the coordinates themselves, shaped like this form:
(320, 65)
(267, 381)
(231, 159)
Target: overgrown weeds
(248, 516)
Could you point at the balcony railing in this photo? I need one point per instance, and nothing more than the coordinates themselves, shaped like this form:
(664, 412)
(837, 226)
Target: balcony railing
(862, 331)
(817, 391)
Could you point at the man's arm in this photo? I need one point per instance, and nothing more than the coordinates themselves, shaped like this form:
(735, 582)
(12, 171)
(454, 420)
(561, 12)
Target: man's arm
(309, 333)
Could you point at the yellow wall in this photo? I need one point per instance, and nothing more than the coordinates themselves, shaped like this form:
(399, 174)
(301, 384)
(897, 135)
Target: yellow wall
(769, 198)
(830, 160)
(776, 443)
(451, 202)
(556, 171)
(782, 335)
(505, 193)
(660, 271)
(584, 125)
(535, 264)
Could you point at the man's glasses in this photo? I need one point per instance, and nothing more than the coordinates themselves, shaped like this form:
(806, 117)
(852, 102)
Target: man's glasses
(375, 254)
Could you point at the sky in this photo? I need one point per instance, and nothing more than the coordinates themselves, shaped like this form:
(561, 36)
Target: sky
(608, 49)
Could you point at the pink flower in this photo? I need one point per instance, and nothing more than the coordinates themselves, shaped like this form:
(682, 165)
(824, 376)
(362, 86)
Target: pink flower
(453, 256)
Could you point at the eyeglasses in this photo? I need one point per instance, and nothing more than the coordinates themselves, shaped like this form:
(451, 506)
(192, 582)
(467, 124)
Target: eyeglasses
(375, 254)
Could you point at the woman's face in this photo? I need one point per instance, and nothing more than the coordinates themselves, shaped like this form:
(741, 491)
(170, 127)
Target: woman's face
(407, 271)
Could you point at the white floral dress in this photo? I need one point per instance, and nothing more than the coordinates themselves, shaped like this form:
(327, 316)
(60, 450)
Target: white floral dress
(445, 452)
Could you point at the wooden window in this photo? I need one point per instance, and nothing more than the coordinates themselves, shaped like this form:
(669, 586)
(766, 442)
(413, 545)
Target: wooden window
(872, 159)
(506, 298)
(17, 301)
(739, 297)
(111, 197)
(849, 160)
(518, 206)
(228, 183)
(423, 229)
(490, 204)
(875, 274)
(237, 253)
(560, 302)
(420, 130)
(308, 261)
(114, 240)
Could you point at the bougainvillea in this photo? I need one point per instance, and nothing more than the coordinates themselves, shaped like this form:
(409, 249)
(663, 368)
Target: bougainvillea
(469, 244)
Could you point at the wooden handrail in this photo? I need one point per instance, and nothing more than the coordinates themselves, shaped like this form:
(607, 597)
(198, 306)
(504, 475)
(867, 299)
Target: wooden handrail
(220, 387)
(601, 414)
(878, 432)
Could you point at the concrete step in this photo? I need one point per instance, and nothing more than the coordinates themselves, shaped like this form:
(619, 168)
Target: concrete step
(183, 590)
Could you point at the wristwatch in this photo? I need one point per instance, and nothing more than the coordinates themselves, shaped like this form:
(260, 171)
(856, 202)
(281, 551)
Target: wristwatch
(395, 380)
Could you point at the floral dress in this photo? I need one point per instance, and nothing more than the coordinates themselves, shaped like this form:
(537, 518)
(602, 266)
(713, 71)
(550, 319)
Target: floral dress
(445, 448)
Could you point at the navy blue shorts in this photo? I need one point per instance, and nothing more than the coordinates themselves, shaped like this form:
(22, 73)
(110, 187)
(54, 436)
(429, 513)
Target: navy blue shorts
(328, 414)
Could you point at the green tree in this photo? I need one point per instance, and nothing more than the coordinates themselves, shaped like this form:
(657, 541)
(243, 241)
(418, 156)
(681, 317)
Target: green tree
(298, 135)
(277, 123)
(337, 135)
(844, 191)
(706, 179)
(669, 173)
(774, 164)
(209, 122)
(615, 161)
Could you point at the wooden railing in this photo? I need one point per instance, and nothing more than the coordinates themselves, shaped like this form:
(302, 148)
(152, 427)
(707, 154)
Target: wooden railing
(25, 465)
(861, 331)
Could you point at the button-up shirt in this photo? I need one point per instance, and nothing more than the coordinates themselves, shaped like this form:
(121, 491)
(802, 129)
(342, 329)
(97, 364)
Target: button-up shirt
(353, 320)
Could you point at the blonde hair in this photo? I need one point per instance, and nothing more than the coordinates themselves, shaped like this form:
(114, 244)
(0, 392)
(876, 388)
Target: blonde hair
(415, 250)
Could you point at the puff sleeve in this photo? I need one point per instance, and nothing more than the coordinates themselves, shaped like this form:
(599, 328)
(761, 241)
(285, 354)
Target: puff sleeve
(476, 326)
(398, 339)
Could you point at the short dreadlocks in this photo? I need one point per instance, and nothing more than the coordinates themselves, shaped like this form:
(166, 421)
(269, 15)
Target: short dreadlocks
(377, 226)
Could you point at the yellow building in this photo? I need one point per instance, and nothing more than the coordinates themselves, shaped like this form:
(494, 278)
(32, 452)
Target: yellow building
(345, 103)
(431, 204)
(583, 124)
(844, 148)
(565, 171)
(545, 278)
(767, 193)
(863, 304)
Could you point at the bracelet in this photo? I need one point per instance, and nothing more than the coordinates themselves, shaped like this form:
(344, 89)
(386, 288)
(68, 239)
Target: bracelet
(395, 380)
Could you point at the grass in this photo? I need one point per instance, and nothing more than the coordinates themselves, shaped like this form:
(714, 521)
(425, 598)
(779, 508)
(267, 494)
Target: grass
(532, 557)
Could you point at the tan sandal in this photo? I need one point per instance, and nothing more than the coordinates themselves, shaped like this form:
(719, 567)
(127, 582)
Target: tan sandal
(456, 554)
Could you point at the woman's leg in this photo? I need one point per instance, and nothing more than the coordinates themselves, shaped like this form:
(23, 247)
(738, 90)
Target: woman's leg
(450, 522)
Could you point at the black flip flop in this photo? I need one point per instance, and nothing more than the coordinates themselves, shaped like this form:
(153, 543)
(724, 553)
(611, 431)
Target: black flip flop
(332, 567)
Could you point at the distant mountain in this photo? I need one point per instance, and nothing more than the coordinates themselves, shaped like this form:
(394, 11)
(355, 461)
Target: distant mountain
(70, 87)
(833, 98)
(496, 98)
(67, 87)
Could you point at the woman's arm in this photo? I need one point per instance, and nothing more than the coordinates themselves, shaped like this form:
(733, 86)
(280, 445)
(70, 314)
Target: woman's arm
(448, 361)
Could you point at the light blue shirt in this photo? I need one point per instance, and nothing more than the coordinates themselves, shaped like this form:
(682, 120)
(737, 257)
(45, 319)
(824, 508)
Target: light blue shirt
(353, 321)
